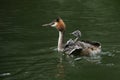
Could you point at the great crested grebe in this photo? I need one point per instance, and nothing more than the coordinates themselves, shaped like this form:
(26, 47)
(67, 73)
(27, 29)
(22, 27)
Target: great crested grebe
(76, 46)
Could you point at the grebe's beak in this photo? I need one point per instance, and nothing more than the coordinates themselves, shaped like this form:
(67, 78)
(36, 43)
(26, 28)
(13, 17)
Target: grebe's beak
(49, 24)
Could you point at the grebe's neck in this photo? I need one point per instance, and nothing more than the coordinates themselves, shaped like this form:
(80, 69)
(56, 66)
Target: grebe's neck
(61, 41)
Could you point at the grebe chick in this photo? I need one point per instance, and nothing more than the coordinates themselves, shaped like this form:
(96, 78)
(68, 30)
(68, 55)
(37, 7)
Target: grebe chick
(77, 34)
(74, 47)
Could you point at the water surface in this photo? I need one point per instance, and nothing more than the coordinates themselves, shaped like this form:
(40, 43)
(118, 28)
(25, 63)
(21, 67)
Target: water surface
(28, 50)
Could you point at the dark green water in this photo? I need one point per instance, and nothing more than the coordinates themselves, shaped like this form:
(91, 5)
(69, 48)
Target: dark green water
(27, 50)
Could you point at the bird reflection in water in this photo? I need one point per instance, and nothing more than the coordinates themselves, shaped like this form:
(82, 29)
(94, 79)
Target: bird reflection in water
(61, 71)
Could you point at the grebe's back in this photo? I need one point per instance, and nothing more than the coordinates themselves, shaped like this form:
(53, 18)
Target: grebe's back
(81, 47)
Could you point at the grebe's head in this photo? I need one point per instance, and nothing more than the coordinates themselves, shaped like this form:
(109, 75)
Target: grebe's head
(77, 33)
(57, 23)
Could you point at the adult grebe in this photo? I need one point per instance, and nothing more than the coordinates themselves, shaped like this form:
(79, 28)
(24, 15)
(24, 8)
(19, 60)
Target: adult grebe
(76, 46)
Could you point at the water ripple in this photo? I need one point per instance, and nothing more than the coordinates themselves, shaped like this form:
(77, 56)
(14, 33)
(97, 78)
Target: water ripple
(5, 74)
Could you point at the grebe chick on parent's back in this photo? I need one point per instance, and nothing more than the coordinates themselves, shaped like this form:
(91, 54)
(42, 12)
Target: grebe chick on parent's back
(76, 46)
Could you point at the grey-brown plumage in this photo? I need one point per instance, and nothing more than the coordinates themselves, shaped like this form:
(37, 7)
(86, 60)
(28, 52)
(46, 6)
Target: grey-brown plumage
(81, 47)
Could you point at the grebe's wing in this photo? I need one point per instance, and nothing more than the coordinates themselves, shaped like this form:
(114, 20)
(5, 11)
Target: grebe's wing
(76, 50)
(70, 42)
(72, 48)
(69, 46)
(94, 43)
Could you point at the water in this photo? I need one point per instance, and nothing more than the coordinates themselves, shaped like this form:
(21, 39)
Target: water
(28, 50)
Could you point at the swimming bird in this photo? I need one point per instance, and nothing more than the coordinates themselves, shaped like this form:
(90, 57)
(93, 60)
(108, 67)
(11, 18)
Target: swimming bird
(74, 46)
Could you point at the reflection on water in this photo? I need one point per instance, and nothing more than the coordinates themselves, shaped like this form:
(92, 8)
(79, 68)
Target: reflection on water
(61, 72)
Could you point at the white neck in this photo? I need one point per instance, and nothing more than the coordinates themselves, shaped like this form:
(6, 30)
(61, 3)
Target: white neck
(60, 41)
